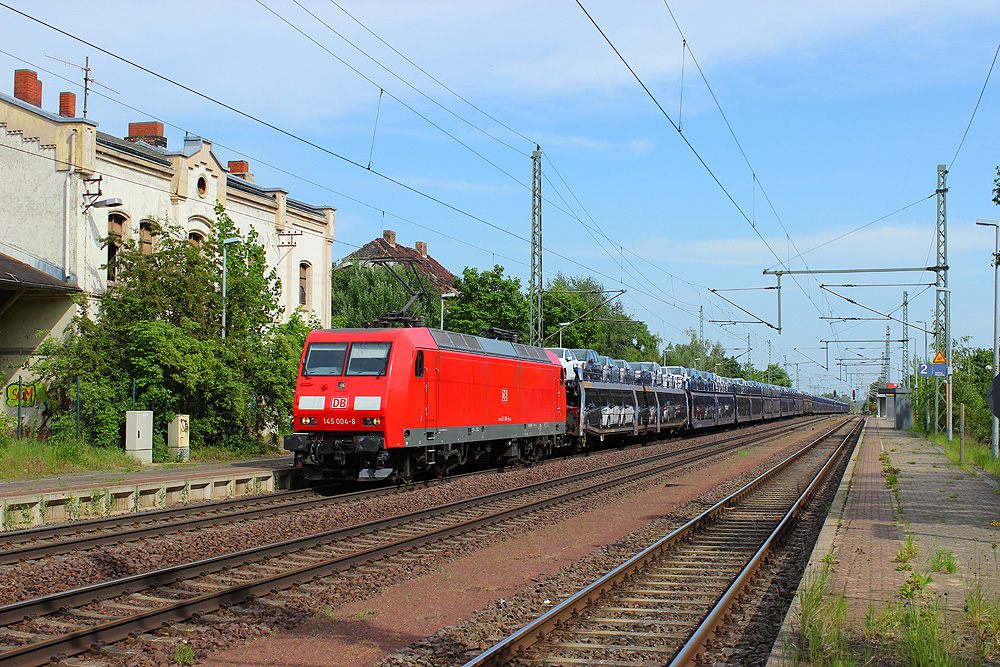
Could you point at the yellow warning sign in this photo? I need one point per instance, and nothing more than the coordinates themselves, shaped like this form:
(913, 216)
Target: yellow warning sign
(939, 359)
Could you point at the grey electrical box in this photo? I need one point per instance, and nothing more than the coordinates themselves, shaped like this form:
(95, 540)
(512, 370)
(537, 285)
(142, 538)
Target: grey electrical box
(177, 438)
(139, 435)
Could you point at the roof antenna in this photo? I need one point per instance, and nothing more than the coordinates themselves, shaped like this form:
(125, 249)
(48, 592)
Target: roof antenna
(85, 67)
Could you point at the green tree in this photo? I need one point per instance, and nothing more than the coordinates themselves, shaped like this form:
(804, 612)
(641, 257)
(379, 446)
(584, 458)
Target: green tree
(362, 292)
(971, 382)
(701, 354)
(597, 324)
(487, 299)
(156, 334)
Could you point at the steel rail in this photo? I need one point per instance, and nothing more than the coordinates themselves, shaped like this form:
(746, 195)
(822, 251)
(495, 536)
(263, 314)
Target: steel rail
(516, 643)
(186, 521)
(115, 630)
(691, 653)
(178, 519)
(49, 603)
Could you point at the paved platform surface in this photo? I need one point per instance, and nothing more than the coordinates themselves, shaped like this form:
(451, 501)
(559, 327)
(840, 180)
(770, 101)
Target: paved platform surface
(945, 508)
(165, 472)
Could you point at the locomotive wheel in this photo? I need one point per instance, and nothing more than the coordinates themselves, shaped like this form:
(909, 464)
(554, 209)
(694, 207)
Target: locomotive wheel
(407, 470)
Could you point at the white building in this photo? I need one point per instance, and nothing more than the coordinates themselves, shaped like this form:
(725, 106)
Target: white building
(50, 245)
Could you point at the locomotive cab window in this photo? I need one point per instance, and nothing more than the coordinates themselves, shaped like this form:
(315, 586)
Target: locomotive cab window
(325, 359)
(369, 358)
(418, 364)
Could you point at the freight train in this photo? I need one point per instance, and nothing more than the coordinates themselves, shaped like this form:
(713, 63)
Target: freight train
(377, 404)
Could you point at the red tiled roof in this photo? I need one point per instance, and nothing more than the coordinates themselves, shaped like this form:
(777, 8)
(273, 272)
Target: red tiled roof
(428, 267)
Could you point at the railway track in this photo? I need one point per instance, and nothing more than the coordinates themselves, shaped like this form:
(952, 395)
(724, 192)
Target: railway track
(34, 631)
(664, 606)
(54, 540)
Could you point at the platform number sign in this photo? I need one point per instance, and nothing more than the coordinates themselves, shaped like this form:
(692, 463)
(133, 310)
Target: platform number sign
(503, 395)
(338, 403)
(932, 370)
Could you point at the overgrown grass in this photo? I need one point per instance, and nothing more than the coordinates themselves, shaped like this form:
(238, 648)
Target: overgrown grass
(29, 458)
(982, 604)
(910, 630)
(907, 550)
(976, 453)
(20, 459)
(943, 560)
(913, 628)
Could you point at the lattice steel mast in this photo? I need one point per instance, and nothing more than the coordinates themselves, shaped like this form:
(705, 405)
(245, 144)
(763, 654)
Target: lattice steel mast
(942, 329)
(884, 378)
(535, 320)
(906, 344)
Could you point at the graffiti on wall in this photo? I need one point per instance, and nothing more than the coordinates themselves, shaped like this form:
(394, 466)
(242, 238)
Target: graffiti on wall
(32, 394)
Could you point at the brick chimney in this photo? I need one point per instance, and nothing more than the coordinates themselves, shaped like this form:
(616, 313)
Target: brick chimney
(27, 87)
(421, 247)
(150, 132)
(67, 105)
(241, 168)
(390, 237)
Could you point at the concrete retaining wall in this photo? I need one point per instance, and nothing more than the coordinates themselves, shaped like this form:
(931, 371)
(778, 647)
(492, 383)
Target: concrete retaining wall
(28, 510)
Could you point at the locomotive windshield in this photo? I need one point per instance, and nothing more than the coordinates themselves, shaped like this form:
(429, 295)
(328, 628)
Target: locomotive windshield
(368, 358)
(324, 359)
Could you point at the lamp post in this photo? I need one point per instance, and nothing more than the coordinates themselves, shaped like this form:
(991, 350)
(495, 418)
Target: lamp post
(449, 295)
(696, 360)
(562, 325)
(225, 246)
(114, 202)
(995, 224)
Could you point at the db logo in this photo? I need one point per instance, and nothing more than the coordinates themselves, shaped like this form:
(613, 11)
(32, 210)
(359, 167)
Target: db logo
(503, 395)
(338, 403)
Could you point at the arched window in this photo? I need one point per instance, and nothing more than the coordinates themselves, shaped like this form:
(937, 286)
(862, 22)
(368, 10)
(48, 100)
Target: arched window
(146, 237)
(304, 270)
(116, 232)
(199, 230)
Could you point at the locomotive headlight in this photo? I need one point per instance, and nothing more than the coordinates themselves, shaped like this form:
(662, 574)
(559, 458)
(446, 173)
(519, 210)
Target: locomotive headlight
(307, 421)
(371, 421)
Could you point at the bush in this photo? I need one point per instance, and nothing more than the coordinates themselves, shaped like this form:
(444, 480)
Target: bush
(157, 336)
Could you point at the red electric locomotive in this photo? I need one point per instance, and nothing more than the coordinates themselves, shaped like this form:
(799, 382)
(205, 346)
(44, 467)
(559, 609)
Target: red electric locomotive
(372, 404)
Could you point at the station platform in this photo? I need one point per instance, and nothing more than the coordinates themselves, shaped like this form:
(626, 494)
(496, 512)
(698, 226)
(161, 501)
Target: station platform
(947, 511)
(31, 502)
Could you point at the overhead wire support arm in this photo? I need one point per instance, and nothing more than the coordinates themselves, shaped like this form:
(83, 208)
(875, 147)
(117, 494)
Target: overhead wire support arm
(757, 320)
(781, 272)
(886, 316)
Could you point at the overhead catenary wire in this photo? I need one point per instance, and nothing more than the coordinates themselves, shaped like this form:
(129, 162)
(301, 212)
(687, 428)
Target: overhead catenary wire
(691, 147)
(325, 24)
(567, 212)
(435, 231)
(270, 165)
(431, 76)
(975, 109)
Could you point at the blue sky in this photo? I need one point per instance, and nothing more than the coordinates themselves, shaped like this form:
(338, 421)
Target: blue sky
(844, 112)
